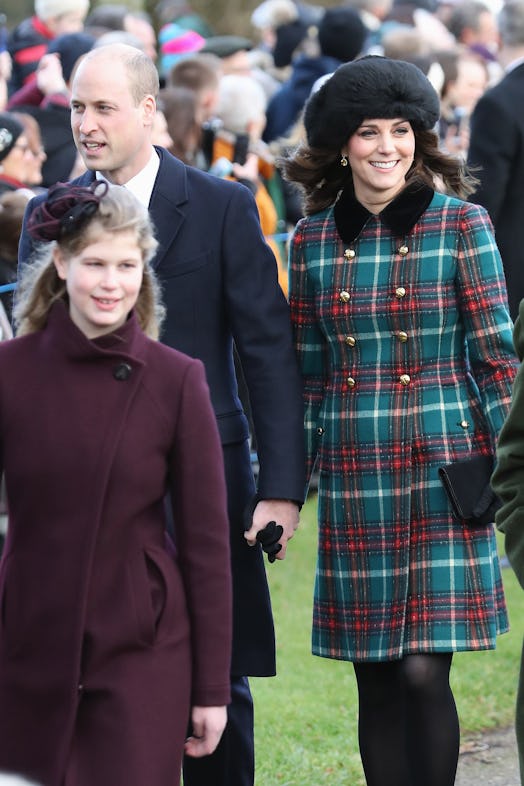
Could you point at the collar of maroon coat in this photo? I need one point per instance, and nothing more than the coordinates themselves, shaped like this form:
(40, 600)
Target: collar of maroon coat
(127, 341)
(399, 216)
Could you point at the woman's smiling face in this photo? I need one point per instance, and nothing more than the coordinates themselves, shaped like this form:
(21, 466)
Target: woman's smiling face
(380, 154)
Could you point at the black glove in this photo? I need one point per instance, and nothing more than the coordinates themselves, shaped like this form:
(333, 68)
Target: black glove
(268, 539)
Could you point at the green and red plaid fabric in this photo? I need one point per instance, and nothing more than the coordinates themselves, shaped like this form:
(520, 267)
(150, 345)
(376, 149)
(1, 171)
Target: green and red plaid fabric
(408, 362)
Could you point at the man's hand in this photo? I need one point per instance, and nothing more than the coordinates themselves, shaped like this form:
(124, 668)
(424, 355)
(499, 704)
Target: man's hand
(247, 171)
(208, 724)
(282, 512)
(49, 76)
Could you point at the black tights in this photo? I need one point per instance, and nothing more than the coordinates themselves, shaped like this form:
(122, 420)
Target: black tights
(408, 725)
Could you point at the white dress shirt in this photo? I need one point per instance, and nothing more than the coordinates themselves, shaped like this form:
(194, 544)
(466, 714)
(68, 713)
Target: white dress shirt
(142, 184)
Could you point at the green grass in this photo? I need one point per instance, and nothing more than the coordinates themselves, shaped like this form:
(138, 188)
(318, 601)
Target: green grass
(306, 716)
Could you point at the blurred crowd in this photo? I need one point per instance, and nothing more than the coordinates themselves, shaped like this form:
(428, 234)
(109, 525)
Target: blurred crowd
(231, 104)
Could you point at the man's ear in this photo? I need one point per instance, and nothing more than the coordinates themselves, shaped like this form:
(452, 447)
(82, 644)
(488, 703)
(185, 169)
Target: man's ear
(60, 263)
(149, 109)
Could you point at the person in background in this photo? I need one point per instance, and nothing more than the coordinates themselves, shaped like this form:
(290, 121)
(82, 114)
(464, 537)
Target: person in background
(160, 132)
(466, 79)
(239, 153)
(27, 43)
(179, 106)
(16, 157)
(392, 286)
(373, 13)
(34, 139)
(267, 19)
(200, 73)
(184, 15)
(208, 229)
(474, 25)
(341, 36)
(133, 634)
(176, 43)
(113, 17)
(508, 483)
(12, 208)
(496, 151)
(47, 99)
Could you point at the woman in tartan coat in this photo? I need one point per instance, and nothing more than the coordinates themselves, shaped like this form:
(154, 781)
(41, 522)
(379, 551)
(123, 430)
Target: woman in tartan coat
(403, 335)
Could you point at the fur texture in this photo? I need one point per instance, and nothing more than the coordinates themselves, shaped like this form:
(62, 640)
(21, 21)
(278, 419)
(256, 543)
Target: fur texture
(371, 87)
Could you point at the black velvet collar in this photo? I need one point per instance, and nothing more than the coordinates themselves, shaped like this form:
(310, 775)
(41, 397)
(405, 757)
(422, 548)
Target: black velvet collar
(399, 216)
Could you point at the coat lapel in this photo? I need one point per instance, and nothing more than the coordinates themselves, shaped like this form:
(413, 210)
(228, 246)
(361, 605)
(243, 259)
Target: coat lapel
(167, 205)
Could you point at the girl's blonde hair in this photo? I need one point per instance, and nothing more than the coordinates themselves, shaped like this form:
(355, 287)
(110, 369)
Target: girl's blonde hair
(39, 285)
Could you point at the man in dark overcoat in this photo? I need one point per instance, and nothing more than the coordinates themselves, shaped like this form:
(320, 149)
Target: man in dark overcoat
(508, 482)
(219, 282)
(497, 149)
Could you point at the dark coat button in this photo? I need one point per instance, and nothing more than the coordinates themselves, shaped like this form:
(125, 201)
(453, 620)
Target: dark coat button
(122, 371)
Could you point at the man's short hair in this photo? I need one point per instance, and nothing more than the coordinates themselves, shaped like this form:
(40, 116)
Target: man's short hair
(511, 23)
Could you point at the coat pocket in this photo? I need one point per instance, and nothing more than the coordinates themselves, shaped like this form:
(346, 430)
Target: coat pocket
(158, 596)
(147, 591)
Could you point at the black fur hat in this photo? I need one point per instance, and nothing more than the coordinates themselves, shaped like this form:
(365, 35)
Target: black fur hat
(371, 87)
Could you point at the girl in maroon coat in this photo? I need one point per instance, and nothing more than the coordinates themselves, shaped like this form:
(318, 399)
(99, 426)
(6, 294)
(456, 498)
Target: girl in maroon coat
(110, 641)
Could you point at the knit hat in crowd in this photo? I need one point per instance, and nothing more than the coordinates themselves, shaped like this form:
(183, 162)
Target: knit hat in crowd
(227, 45)
(177, 42)
(10, 130)
(341, 34)
(287, 39)
(48, 9)
(371, 87)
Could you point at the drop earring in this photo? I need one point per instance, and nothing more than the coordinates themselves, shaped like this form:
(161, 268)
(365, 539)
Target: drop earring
(344, 160)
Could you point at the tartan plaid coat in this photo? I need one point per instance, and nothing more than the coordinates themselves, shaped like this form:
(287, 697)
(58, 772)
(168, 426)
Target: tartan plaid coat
(405, 345)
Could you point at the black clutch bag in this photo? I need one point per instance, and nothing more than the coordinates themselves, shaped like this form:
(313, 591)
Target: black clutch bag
(467, 484)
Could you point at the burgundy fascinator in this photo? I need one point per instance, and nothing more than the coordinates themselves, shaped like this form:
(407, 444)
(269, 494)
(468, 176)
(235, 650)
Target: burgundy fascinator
(65, 210)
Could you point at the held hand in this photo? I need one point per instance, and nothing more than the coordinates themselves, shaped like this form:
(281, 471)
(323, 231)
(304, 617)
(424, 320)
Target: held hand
(282, 512)
(208, 724)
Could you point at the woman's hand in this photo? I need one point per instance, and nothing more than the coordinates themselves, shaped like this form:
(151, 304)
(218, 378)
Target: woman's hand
(208, 724)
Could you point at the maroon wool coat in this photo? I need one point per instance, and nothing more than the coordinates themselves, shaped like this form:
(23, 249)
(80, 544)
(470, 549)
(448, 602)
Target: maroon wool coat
(106, 638)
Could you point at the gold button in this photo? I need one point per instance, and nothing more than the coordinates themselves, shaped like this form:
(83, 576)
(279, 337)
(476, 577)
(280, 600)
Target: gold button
(349, 253)
(405, 379)
(351, 382)
(402, 337)
(464, 424)
(350, 341)
(320, 431)
(400, 292)
(344, 296)
(403, 250)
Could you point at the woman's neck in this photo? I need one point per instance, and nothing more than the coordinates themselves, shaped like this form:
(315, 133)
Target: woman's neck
(376, 202)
